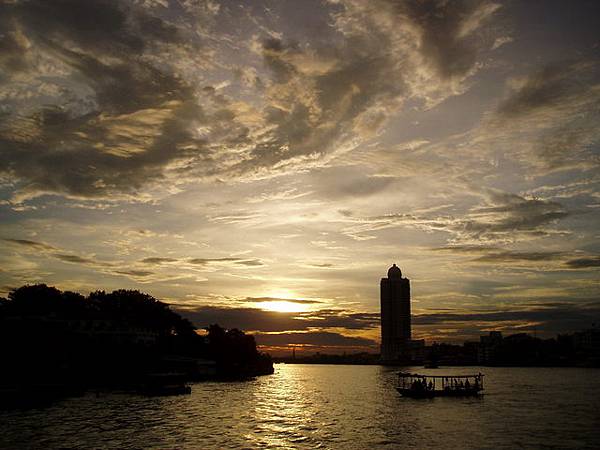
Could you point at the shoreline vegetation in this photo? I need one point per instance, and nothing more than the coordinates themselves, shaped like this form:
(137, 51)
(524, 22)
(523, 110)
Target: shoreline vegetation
(57, 344)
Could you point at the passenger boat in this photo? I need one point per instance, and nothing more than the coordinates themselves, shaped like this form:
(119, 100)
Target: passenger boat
(428, 386)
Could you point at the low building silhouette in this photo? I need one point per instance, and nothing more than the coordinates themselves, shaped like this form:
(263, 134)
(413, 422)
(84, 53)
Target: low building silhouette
(488, 347)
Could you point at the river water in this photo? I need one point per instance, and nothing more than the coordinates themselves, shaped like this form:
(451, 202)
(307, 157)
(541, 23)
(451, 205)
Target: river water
(326, 406)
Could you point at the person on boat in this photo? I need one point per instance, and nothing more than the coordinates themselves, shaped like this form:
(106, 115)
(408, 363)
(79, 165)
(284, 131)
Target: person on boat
(467, 384)
(430, 386)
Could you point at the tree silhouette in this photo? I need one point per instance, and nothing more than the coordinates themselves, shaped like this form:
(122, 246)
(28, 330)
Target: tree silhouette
(110, 338)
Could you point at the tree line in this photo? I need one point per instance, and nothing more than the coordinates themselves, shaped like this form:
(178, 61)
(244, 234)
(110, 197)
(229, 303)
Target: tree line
(53, 337)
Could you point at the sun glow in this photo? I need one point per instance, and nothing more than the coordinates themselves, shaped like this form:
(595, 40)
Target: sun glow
(283, 306)
(282, 300)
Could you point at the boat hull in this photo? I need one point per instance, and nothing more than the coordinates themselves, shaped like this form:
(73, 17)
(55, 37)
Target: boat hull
(438, 393)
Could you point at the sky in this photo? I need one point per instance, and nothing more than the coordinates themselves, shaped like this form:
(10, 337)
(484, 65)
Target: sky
(261, 164)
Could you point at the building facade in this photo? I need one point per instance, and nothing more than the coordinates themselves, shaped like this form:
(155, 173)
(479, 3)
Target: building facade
(396, 341)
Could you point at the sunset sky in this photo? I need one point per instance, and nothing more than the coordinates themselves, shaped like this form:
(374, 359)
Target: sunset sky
(261, 164)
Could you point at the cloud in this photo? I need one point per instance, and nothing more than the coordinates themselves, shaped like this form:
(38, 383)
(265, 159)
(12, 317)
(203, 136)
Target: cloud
(488, 254)
(74, 259)
(167, 268)
(253, 319)
(503, 217)
(502, 40)
(548, 119)
(321, 265)
(519, 256)
(275, 299)
(128, 101)
(552, 318)
(110, 267)
(510, 214)
(445, 31)
(584, 263)
(238, 261)
(158, 260)
(280, 329)
(31, 244)
(103, 126)
(550, 88)
(551, 260)
(135, 273)
(50, 251)
(250, 262)
(388, 52)
(349, 182)
(322, 339)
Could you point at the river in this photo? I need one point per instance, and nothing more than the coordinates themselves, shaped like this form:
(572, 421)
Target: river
(327, 406)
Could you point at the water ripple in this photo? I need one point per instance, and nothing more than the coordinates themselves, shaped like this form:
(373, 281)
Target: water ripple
(329, 407)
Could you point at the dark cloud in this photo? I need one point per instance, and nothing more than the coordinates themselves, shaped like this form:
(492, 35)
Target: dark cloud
(560, 102)
(508, 217)
(275, 299)
(445, 32)
(270, 321)
(158, 260)
(490, 254)
(358, 73)
(314, 338)
(552, 317)
(550, 87)
(520, 256)
(239, 261)
(204, 261)
(92, 163)
(74, 259)
(250, 262)
(31, 244)
(118, 119)
(274, 53)
(122, 108)
(504, 217)
(583, 263)
(135, 273)
(111, 268)
(466, 249)
(109, 26)
(52, 252)
(513, 213)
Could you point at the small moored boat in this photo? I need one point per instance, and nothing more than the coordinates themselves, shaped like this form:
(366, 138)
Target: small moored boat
(428, 386)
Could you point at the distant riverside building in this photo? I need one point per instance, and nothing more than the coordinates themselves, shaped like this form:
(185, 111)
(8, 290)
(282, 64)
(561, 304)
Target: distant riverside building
(488, 347)
(396, 344)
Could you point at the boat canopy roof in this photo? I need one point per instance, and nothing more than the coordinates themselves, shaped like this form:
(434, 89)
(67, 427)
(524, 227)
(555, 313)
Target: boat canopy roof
(418, 375)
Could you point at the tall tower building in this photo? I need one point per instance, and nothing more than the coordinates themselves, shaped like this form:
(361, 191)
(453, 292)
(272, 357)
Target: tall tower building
(395, 316)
